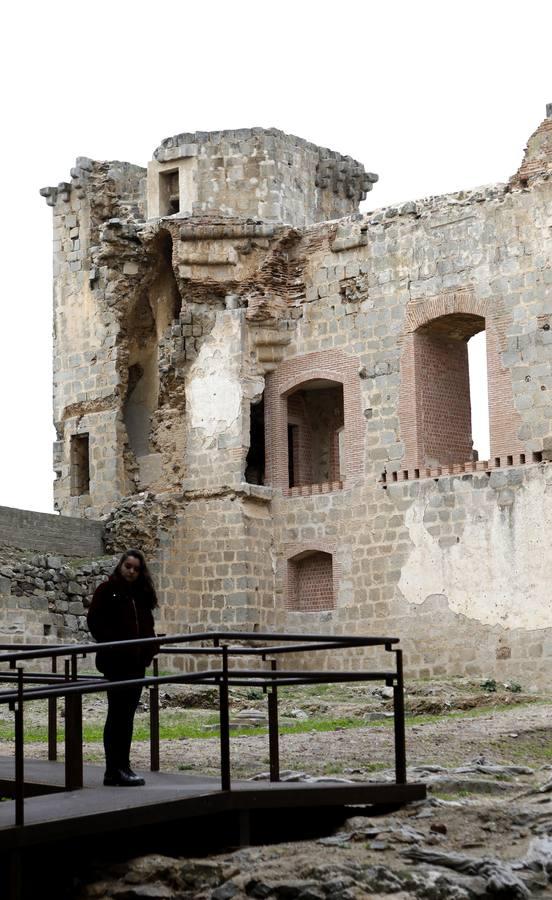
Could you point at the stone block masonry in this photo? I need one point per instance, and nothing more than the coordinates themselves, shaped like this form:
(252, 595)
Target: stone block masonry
(254, 172)
(269, 391)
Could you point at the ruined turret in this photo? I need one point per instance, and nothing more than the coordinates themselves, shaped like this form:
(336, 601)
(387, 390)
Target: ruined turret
(254, 172)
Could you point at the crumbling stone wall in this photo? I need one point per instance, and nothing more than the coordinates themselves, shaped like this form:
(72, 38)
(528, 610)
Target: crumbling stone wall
(44, 597)
(219, 304)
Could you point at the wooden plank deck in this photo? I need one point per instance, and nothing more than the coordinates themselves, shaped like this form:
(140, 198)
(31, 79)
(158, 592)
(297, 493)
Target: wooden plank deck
(94, 809)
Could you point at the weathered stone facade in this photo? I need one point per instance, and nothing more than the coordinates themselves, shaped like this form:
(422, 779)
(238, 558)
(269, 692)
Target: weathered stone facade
(283, 400)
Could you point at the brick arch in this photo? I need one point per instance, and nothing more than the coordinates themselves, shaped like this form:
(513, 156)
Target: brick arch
(331, 365)
(316, 546)
(316, 374)
(422, 312)
(424, 321)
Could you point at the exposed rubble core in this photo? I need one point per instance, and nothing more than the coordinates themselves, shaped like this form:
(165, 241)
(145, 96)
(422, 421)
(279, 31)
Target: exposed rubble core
(269, 392)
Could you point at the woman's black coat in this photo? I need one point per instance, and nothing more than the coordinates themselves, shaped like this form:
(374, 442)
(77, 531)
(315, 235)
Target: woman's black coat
(121, 611)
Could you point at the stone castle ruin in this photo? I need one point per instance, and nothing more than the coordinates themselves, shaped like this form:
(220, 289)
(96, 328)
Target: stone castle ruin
(268, 391)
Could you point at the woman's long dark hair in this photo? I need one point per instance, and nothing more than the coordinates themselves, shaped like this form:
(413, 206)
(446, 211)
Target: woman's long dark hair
(144, 581)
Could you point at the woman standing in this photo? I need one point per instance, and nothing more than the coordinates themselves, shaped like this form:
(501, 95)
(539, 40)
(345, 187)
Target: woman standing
(121, 609)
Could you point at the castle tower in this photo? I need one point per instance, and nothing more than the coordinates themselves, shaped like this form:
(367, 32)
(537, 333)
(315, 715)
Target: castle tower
(142, 263)
(270, 393)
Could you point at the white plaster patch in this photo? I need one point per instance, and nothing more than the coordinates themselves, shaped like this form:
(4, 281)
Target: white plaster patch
(497, 573)
(213, 392)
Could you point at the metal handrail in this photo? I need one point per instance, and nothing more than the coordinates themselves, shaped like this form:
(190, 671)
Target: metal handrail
(72, 686)
(322, 639)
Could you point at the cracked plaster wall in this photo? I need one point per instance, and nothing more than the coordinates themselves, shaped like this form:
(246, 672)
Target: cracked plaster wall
(488, 567)
(213, 387)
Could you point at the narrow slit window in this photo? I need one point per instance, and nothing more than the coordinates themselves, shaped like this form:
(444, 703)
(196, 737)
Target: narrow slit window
(255, 462)
(80, 465)
(169, 193)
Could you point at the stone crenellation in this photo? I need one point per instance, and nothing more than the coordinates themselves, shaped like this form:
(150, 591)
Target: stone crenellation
(269, 391)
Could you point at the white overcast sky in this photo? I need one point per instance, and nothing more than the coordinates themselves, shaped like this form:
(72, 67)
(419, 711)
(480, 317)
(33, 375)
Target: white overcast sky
(433, 96)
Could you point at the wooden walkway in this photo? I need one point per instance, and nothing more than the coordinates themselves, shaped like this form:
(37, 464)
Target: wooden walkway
(53, 814)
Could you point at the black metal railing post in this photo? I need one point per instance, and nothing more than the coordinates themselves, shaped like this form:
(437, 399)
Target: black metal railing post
(273, 737)
(19, 752)
(398, 718)
(52, 720)
(224, 715)
(73, 731)
(154, 720)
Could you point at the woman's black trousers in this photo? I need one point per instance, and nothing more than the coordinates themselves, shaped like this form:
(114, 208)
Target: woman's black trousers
(121, 706)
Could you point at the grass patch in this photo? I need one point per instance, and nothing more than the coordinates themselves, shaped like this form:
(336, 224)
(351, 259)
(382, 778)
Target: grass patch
(375, 766)
(190, 724)
(174, 728)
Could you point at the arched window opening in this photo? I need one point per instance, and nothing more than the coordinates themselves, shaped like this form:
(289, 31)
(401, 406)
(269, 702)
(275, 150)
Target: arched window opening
(310, 582)
(479, 395)
(442, 389)
(255, 462)
(315, 417)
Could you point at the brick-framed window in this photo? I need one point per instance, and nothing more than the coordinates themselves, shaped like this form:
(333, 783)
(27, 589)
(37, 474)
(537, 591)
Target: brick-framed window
(291, 401)
(315, 415)
(310, 582)
(435, 406)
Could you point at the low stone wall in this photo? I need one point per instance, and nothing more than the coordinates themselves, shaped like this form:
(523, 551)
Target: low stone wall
(43, 599)
(48, 533)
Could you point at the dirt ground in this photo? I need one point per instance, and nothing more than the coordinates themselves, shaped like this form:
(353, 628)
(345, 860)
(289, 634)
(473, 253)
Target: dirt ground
(484, 831)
